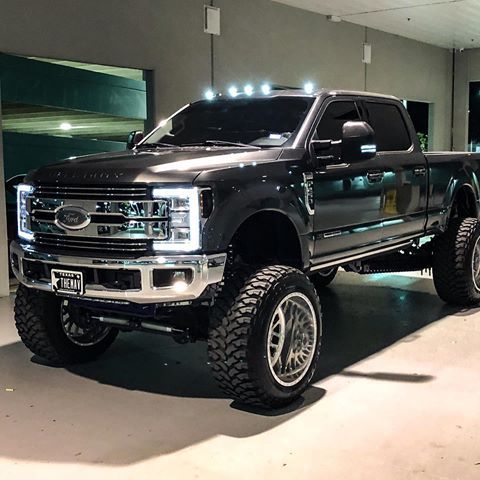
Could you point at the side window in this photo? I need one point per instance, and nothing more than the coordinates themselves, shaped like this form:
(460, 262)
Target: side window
(336, 114)
(391, 133)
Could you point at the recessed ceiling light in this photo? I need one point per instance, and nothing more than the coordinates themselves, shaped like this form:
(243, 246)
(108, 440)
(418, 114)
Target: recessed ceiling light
(334, 18)
(65, 126)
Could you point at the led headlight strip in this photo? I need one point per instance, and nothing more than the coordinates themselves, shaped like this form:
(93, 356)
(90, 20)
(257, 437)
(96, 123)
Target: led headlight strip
(184, 207)
(23, 191)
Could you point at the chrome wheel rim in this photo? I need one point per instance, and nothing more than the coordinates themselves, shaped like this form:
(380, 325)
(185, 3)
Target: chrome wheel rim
(84, 333)
(292, 339)
(476, 264)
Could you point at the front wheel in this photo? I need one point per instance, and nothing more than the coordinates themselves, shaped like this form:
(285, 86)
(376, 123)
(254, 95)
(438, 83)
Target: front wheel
(456, 263)
(57, 331)
(265, 335)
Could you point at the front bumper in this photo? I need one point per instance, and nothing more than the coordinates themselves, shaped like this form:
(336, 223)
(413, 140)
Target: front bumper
(206, 270)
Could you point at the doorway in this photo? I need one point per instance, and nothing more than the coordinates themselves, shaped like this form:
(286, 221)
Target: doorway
(420, 113)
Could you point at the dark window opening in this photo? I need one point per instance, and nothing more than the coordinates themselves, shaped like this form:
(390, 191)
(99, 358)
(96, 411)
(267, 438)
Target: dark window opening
(474, 118)
(419, 113)
(391, 134)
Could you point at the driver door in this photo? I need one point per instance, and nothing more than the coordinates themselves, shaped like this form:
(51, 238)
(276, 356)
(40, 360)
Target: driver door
(348, 197)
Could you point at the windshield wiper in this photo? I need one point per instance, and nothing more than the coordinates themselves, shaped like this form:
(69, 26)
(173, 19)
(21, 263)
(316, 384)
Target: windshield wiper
(158, 145)
(221, 143)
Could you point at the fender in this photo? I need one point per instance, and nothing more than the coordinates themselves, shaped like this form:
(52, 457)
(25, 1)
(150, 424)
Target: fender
(238, 195)
(467, 181)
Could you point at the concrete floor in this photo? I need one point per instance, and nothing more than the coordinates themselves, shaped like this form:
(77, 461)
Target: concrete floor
(396, 397)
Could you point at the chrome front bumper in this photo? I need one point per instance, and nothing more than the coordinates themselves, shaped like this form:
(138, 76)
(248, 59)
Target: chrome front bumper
(206, 270)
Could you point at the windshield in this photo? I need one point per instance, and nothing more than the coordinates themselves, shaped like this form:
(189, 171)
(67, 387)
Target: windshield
(260, 122)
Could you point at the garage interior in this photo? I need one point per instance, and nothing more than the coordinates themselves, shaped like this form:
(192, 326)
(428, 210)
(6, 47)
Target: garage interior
(395, 395)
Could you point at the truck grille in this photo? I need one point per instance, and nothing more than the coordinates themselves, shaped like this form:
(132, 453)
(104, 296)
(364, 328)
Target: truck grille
(123, 220)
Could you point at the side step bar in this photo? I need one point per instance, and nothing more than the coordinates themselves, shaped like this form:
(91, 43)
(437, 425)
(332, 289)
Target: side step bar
(360, 256)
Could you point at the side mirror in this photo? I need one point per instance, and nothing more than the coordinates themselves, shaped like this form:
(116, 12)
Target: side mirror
(358, 142)
(134, 138)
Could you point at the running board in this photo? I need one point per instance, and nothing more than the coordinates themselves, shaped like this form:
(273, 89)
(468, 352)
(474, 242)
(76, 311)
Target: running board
(361, 256)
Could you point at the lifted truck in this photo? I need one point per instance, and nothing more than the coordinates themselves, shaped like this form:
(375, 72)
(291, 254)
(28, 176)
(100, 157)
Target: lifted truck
(221, 224)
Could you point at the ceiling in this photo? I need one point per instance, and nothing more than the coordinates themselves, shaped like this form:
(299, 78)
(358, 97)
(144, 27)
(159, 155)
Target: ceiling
(39, 120)
(445, 23)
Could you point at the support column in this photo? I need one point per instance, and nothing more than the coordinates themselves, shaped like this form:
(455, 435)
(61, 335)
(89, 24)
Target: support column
(152, 121)
(4, 280)
(461, 104)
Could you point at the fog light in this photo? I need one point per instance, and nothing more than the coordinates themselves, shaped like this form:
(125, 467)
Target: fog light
(179, 275)
(180, 286)
(164, 278)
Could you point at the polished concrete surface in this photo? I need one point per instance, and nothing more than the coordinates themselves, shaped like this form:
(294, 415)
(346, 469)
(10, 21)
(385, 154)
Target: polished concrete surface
(397, 396)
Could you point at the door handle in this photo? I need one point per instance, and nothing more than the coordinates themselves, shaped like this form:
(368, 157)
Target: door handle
(419, 171)
(375, 177)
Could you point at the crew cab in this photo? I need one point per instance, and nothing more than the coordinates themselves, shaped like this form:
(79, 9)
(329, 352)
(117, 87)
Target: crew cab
(222, 224)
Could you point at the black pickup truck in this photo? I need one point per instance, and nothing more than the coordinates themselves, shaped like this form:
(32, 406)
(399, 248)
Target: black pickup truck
(222, 223)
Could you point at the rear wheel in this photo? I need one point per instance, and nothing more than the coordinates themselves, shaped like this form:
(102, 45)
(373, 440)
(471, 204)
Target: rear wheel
(456, 263)
(265, 335)
(57, 331)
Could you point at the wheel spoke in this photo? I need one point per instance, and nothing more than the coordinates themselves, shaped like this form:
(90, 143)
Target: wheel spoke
(278, 332)
(476, 261)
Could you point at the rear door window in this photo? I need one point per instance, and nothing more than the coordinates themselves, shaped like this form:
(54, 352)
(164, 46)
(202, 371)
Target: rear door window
(391, 133)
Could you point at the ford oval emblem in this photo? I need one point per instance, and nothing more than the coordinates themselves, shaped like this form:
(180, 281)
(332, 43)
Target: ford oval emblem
(72, 218)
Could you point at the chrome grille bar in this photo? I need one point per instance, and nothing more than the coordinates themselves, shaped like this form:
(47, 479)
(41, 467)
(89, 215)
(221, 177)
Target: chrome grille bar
(92, 192)
(87, 244)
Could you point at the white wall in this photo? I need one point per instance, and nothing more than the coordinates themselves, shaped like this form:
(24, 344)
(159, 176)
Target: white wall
(162, 35)
(260, 40)
(414, 71)
(265, 40)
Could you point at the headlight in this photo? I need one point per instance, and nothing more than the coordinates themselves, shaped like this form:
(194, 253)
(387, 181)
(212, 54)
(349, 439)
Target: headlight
(23, 191)
(184, 219)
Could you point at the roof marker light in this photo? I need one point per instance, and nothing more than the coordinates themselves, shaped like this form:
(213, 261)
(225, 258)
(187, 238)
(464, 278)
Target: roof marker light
(266, 89)
(233, 91)
(248, 90)
(209, 94)
(309, 88)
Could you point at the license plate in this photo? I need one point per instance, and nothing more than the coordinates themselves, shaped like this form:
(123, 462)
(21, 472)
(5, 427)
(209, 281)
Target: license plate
(66, 281)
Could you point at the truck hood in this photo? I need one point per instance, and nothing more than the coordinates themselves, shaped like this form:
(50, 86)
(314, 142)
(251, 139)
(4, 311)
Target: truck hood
(180, 165)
